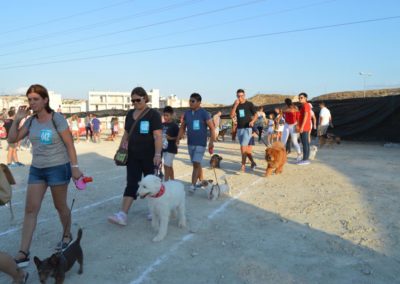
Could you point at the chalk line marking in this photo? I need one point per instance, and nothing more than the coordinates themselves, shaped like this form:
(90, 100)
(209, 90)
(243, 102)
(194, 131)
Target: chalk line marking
(188, 237)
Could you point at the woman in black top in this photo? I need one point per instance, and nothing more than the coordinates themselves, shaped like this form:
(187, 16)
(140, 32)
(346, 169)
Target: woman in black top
(144, 149)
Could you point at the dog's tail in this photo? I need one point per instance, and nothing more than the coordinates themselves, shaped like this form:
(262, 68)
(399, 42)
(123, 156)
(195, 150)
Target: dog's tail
(78, 239)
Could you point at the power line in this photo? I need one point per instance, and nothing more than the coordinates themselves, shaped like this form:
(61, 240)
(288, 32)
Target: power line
(206, 42)
(101, 23)
(66, 17)
(253, 17)
(140, 27)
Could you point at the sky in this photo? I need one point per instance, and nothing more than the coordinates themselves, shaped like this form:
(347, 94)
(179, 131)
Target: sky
(205, 46)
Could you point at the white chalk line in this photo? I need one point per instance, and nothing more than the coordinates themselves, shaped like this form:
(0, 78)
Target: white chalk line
(87, 207)
(188, 237)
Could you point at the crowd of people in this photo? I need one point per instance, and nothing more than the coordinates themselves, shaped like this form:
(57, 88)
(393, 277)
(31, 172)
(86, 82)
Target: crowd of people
(151, 140)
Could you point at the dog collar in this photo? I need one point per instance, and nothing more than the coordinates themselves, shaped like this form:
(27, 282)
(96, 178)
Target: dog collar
(160, 193)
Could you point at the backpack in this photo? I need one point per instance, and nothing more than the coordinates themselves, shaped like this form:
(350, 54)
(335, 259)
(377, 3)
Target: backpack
(6, 180)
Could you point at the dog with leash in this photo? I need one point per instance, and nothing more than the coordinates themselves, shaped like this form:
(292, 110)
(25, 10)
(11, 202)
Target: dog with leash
(163, 198)
(60, 262)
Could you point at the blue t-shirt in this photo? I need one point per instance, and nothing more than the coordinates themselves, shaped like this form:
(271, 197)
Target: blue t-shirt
(196, 125)
(96, 124)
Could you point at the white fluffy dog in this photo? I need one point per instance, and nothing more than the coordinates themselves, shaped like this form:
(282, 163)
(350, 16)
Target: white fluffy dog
(313, 152)
(162, 199)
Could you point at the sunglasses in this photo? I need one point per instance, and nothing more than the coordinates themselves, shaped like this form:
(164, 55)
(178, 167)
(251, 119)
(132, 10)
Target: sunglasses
(193, 101)
(136, 100)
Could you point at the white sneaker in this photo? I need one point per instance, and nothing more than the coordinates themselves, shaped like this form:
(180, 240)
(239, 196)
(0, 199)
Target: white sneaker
(119, 218)
(299, 158)
(303, 163)
(192, 188)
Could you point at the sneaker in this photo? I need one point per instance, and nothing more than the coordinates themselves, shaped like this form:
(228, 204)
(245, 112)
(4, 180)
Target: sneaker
(22, 262)
(303, 163)
(299, 158)
(19, 164)
(119, 218)
(12, 165)
(253, 166)
(192, 188)
(62, 245)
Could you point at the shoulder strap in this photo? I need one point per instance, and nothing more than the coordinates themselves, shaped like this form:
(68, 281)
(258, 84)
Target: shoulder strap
(34, 116)
(137, 119)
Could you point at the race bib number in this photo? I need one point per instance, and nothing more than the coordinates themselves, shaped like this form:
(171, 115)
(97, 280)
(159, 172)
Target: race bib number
(196, 124)
(144, 127)
(241, 112)
(46, 136)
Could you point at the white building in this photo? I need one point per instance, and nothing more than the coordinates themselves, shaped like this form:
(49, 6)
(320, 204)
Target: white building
(73, 106)
(9, 101)
(101, 100)
(173, 101)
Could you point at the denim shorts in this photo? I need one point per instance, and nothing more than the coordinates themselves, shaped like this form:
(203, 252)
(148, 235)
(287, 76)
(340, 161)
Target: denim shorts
(244, 135)
(196, 153)
(57, 175)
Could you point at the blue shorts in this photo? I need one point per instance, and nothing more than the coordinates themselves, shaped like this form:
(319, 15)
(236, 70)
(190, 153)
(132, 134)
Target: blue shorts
(196, 153)
(244, 135)
(57, 175)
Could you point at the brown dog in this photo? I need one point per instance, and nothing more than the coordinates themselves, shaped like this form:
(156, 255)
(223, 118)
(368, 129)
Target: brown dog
(60, 262)
(275, 157)
(328, 139)
(221, 134)
(215, 161)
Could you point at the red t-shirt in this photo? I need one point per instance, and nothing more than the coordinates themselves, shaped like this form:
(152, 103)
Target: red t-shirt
(291, 117)
(305, 108)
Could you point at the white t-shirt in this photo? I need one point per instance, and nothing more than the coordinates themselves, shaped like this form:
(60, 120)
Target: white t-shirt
(325, 116)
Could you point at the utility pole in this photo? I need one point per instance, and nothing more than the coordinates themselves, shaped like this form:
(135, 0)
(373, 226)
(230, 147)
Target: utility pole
(365, 75)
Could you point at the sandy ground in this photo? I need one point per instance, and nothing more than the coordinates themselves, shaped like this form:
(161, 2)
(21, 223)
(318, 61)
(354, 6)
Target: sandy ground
(334, 221)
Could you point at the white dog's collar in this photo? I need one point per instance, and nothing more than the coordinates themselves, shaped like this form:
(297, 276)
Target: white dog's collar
(160, 193)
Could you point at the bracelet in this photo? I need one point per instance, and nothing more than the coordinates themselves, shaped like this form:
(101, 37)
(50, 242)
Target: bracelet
(157, 155)
(74, 166)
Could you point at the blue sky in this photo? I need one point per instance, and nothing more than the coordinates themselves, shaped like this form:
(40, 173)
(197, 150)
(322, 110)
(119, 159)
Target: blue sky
(179, 46)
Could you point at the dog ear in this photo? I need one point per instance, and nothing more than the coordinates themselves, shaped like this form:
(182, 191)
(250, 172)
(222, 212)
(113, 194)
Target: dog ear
(219, 158)
(37, 261)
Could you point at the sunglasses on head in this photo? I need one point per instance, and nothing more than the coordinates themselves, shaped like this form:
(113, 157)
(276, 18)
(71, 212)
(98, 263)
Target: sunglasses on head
(136, 100)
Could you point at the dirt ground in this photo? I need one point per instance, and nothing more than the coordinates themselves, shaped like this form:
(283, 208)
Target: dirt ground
(334, 221)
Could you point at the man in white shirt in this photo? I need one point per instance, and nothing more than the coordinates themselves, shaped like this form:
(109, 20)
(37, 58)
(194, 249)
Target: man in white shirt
(325, 119)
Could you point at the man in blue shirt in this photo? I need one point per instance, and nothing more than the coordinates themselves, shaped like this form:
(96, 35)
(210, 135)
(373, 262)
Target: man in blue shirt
(195, 121)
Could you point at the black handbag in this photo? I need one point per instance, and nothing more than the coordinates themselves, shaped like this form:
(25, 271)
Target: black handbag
(121, 156)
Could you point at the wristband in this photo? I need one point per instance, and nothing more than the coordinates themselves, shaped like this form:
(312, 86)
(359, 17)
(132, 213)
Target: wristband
(74, 166)
(157, 155)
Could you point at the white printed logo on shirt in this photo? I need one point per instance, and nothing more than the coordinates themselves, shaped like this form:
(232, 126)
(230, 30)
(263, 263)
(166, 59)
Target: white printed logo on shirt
(46, 136)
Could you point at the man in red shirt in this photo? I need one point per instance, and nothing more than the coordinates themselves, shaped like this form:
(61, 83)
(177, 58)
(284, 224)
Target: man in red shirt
(304, 128)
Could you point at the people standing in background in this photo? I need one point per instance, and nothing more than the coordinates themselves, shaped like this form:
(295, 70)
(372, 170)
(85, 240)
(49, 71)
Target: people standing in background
(313, 122)
(291, 114)
(96, 128)
(217, 123)
(75, 127)
(279, 123)
(260, 122)
(271, 128)
(325, 120)
(304, 128)
(12, 156)
(88, 127)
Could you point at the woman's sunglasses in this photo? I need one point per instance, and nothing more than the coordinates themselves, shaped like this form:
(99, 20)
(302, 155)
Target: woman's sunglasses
(136, 100)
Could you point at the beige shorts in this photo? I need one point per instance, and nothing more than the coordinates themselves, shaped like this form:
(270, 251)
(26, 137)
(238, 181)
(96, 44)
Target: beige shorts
(322, 129)
(168, 159)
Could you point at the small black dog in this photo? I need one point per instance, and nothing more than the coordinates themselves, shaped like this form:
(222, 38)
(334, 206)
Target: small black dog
(60, 262)
(215, 161)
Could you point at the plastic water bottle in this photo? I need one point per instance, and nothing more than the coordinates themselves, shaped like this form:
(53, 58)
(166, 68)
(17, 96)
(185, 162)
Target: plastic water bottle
(82, 181)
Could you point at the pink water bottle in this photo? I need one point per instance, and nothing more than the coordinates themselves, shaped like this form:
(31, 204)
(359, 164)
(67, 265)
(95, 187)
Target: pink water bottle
(82, 181)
